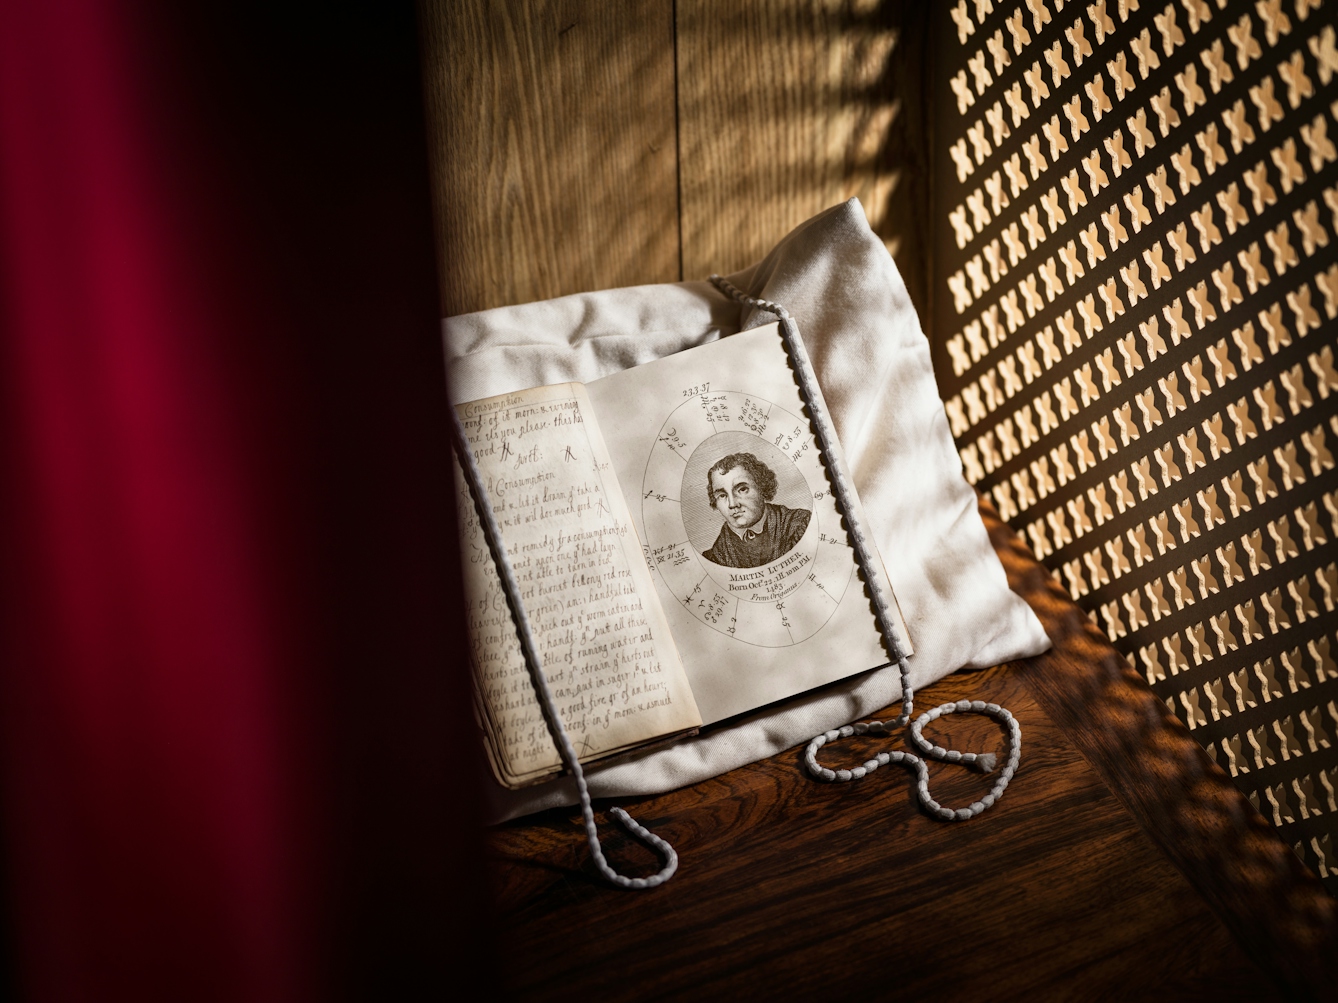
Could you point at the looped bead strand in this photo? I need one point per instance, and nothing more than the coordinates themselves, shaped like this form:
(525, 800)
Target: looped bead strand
(511, 586)
(984, 762)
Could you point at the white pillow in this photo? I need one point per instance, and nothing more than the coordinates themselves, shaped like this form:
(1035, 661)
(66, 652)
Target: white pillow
(872, 361)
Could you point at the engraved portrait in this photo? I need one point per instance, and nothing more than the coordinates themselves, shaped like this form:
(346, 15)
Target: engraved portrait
(737, 516)
(756, 530)
(745, 502)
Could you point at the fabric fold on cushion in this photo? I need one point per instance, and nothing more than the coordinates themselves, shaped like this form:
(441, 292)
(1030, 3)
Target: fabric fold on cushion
(872, 361)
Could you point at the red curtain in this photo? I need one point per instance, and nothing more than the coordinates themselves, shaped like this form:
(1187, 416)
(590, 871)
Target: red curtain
(234, 751)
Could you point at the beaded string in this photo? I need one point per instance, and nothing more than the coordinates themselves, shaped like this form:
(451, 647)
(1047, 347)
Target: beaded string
(492, 532)
(986, 762)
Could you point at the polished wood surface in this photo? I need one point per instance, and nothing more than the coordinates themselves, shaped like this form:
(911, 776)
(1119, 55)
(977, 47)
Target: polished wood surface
(1189, 807)
(1120, 864)
(553, 132)
(788, 108)
(582, 145)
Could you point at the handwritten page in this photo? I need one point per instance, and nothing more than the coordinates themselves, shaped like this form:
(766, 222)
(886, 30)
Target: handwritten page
(730, 497)
(608, 654)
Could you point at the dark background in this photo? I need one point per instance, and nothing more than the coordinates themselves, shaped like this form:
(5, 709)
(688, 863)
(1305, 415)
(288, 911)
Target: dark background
(278, 176)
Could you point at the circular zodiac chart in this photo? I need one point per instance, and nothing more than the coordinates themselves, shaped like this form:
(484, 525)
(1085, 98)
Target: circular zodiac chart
(771, 590)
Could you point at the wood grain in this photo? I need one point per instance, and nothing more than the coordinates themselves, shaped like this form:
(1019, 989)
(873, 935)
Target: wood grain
(791, 889)
(561, 133)
(1121, 863)
(787, 107)
(553, 147)
(1232, 856)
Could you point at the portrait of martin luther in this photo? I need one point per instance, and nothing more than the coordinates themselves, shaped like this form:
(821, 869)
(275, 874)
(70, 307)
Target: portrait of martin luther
(756, 531)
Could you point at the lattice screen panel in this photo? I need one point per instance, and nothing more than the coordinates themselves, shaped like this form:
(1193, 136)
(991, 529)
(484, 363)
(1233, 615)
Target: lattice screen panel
(1135, 291)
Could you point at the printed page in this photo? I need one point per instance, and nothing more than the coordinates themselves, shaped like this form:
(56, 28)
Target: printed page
(730, 498)
(607, 649)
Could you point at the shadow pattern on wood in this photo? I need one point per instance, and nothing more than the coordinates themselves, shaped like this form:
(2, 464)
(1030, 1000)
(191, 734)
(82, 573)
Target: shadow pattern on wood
(787, 108)
(1119, 866)
(579, 146)
(553, 148)
(1276, 907)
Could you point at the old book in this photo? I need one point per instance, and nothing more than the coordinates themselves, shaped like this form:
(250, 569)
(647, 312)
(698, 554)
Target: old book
(679, 551)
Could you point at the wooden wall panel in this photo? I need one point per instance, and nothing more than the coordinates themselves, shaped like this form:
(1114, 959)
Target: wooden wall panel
(553, 146)
(789, 106)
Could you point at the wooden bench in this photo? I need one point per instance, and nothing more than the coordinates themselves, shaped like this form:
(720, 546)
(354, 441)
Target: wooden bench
(1121, 863)
(582, 146)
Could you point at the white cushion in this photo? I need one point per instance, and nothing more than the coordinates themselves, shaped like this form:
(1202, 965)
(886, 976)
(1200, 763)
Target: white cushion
(872, 361)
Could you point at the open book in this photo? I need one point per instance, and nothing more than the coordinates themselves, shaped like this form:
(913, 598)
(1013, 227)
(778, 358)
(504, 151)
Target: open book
(680, 555)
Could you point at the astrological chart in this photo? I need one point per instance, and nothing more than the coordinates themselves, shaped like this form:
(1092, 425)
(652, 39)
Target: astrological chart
(784, 601)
